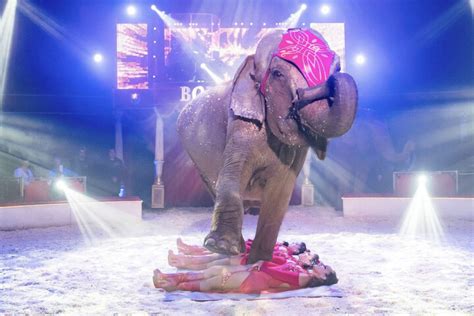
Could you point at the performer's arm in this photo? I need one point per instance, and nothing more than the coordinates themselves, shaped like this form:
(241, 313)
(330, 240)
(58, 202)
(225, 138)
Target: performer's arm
(281, 273)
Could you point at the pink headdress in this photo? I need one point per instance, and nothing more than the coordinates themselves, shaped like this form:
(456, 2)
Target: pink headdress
(308, 52)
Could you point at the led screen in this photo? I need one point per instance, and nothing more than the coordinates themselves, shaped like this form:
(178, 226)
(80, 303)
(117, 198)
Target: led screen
(132, 56)
(223, 49)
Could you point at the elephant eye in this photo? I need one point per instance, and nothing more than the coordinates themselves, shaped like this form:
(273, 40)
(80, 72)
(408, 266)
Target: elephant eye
(277, 73)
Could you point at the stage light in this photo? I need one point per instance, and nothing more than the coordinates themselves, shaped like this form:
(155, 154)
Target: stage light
(422, 179)
(360, 59)
(98, 58)
(60, 185)
(303, 7)
(325, 9)
(131, 10)
(134, 96)
(169, 21)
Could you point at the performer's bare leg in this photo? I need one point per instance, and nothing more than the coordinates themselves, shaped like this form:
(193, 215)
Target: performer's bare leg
(214, 278)
(170, 281)
(190, 249)
(215, 283)
(189, 261)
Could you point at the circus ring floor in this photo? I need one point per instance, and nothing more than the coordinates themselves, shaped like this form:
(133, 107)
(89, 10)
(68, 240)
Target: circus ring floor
(55, 270)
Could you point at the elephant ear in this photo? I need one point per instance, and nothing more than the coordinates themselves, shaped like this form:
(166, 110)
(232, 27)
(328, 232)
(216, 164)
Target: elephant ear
(246, 101)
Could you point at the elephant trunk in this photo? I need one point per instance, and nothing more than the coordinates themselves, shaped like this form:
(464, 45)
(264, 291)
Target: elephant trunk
(331, 107)
(319, 92)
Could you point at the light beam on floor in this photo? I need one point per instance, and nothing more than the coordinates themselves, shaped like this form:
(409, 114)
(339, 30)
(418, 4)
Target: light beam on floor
(96, 219)
(420, 219)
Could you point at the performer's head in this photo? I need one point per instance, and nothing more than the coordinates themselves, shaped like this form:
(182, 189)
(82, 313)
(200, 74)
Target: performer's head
(295, 248)
(322, 275)
(308, 260)
(25, 164)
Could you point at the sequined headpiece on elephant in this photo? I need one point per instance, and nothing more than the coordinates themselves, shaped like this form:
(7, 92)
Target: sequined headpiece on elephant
(308, 52)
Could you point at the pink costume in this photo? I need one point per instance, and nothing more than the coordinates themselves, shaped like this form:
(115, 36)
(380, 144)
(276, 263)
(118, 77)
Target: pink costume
(279, 256)
(271, 276)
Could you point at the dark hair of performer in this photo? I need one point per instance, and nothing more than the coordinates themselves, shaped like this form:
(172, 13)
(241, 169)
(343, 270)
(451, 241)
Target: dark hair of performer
(301, 247)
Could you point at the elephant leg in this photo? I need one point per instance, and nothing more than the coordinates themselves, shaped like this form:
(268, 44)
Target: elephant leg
(275, 202)
(225, 236)
(209, 186)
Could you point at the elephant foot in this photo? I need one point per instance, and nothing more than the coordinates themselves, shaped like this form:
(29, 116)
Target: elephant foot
(257, 255)
(224, 243)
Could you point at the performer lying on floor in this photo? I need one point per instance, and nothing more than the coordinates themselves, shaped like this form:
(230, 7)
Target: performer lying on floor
(261, 276)
(198, 258)
(293, 248)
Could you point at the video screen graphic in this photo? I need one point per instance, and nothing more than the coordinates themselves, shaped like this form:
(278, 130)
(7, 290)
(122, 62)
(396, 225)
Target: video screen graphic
(132, 56)
(223, 49)
(334, 34)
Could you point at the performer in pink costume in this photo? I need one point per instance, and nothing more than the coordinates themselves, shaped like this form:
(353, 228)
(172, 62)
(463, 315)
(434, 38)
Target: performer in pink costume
(293, 248)
(261, 277)
(197, 258)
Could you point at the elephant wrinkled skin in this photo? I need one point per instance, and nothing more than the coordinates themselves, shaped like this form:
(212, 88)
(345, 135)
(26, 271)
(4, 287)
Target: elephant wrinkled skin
(249, 148)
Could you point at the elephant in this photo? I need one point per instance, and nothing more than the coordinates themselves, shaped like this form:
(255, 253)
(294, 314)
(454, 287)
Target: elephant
(249, 143)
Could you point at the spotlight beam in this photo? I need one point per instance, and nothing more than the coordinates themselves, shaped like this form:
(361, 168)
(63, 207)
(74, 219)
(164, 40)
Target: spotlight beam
(96, 220)
(54, 29)
(294, 18)
(214, 77)
(169, 21)
(7, 24)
